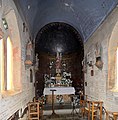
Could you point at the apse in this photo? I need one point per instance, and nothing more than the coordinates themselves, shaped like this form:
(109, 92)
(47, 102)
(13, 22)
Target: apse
(58, 37)
(59, 40)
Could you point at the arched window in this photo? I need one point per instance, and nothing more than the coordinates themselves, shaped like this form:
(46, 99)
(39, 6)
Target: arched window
(10, 55)
(9, 64)
(2, 64)
(116, 83)
(31, 75)
(6, 64)
(113, 60)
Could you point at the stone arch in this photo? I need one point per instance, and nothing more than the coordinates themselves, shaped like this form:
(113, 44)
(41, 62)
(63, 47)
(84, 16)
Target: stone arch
(112, 48)
(13, 33)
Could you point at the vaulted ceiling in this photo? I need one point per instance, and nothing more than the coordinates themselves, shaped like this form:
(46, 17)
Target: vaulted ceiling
(82, 15)
(58, 37)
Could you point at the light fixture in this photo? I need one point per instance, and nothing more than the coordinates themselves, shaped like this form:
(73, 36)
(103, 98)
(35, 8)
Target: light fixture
(59, 48)
(5, 23)
(28, 7)
(66, 4)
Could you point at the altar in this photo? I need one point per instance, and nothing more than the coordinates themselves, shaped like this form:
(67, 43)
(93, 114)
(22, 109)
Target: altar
(59, 90)
(60, 95)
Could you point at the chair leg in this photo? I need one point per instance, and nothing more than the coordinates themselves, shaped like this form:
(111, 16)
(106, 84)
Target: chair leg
(107, 116)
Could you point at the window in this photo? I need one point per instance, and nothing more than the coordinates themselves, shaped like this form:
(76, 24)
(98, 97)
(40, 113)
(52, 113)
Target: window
(116, 83)
(31, 76)
(113, 60)
(9, 65)
(10, 56)
(1, 64)
(6, 64)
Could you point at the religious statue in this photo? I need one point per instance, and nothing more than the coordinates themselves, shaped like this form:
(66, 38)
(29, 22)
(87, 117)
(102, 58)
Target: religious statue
(58, 62)
(37, 62)
(29, 54)
(98, 54)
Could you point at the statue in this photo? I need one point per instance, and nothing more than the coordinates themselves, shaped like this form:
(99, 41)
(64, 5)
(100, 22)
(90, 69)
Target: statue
(37, 62)
(29, 54)
(58, 62)
(1, 33)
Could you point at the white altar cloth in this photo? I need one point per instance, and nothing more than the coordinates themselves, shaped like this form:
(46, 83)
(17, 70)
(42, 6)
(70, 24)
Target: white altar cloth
(59, 90)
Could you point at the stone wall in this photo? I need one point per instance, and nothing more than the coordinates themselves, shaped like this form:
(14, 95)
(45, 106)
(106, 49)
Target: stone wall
(97, 84)
(13, 101)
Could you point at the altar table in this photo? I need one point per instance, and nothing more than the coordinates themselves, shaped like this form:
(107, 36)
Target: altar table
(64, 91)
(59, 90)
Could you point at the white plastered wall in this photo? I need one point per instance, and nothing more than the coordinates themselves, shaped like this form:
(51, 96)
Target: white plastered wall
(16, 100)
(98, 85)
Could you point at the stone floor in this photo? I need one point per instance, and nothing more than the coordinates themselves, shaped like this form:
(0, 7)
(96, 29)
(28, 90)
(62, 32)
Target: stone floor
(62, 113)
(58, 117)
(64, 117)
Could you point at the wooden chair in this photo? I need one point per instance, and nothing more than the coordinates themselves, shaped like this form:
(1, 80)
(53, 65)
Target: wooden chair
(41, 107)
(35, 99)
(41, 102)
(115, 115)
(83, 100)
(93, 108)
(33, 111)
(111, 115)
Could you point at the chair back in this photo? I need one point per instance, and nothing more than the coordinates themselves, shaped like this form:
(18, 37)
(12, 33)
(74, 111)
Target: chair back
(94, 108)
(82, 102)
(33, 111)
(83, 99)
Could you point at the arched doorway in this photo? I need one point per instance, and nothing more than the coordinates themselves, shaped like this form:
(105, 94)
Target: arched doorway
(113, 60)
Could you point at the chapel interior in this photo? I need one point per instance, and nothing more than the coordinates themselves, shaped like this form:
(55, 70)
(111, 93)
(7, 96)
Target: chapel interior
(58, 60)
